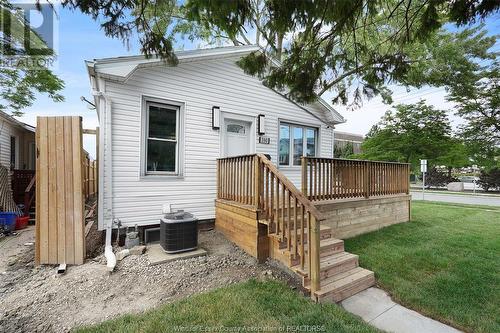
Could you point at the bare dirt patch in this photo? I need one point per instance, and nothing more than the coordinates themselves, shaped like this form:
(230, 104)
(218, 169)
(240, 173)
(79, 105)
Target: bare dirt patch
(36, 299)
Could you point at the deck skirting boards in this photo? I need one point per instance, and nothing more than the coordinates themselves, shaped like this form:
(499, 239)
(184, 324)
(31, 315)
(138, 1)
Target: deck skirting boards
(352, 217)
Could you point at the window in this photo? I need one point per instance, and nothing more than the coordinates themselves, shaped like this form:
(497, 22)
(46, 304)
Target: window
(303, 142)
(284, 149)
(235, 128)
(162, 138)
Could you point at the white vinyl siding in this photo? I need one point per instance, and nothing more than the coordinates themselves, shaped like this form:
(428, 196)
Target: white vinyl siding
(24, 139)
(200, 85)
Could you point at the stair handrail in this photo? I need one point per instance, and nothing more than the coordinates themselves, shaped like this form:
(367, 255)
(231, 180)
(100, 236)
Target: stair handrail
(292, 188)
(29, 196)
(250, 180)
(314, 221)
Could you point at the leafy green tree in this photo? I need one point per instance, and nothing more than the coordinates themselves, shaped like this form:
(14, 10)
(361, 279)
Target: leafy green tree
(351, 49)
(436, 178)
(490, 179)
(343, 150)
(477, 100)
(18, 84)
(457, 156)
(412, 132)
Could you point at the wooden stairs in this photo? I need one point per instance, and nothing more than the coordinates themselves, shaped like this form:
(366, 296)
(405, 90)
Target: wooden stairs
(340, 274)
(280, 222)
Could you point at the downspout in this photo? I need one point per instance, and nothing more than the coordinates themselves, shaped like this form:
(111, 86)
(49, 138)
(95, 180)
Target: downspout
(105, 144)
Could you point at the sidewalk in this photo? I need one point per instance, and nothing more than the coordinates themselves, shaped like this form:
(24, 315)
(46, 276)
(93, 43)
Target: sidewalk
(375, 307)
(468, 193)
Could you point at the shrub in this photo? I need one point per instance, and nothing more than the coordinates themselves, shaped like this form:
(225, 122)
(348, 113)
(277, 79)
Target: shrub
(490, 180)
(436, 178)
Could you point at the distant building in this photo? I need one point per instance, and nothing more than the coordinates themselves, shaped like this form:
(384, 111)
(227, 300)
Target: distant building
(347, 143)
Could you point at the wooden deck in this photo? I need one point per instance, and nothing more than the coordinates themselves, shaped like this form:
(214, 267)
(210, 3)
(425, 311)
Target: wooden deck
(261, 211)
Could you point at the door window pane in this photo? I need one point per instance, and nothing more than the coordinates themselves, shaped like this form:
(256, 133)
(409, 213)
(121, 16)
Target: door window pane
(298, 143)
(161, 155)
(284, 145)
(311, 142)
(162, 122)
(235, 128)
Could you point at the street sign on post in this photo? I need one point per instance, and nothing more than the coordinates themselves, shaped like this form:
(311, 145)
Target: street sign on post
(423, 169)
(423, 166)
(474, 172)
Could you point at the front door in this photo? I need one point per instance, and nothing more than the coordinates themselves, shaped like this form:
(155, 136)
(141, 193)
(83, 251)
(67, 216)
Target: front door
(236, 137)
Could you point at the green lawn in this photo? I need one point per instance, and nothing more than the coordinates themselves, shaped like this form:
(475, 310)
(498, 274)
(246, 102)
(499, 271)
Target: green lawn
(445, 263)
(251, 305)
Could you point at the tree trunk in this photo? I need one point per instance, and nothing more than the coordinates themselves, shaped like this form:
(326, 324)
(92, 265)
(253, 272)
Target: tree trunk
(279, 46)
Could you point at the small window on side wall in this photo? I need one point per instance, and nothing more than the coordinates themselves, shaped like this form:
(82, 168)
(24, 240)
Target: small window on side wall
(162, 139)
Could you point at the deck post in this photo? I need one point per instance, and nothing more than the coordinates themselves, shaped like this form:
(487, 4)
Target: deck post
(257, 181)
(304, 176)
(218, 179)
(314, 228)
(408, 179)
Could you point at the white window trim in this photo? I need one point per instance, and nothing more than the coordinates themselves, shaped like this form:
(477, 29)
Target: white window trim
(179, 151)
(304, 142)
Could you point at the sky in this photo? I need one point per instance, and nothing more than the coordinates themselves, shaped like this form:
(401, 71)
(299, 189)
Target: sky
(80, 38)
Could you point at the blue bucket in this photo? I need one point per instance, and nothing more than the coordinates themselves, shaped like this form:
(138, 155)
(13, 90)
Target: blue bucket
(8, 220)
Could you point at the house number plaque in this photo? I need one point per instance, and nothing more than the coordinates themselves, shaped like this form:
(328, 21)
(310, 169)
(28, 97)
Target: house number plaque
(264, 140)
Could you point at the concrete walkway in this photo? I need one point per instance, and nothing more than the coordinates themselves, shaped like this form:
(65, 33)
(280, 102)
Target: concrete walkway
(377, 309)
(458, 198)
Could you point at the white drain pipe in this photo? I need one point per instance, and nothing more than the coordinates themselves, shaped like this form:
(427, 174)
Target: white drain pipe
(108, 249)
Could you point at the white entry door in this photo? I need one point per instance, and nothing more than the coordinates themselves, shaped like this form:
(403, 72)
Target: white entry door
(237, 137)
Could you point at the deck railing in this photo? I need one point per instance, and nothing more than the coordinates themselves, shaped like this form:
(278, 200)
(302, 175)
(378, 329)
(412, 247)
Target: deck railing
(254, 180)
(29, 196)
(333, 178)
(20, 181)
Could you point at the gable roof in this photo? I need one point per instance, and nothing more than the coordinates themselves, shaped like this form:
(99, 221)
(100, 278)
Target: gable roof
(122, 68)
(16, 122)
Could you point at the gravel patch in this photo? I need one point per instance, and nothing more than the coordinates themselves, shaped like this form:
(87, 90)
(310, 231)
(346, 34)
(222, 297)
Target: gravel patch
(36, 299)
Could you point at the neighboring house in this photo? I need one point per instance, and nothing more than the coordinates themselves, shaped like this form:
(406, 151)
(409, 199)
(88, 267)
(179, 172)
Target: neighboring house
(162, 129)
(347, 141)
(17, 143)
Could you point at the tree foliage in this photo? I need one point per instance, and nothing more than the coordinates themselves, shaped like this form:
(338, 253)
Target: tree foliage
(18, 84)
(412, 132)
(490, 179)
(477, 100)
(437, 178)
(351, 48)
(343, 150)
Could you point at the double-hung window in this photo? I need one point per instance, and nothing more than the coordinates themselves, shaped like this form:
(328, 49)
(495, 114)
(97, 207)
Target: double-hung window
(162, 138)
(296, 141)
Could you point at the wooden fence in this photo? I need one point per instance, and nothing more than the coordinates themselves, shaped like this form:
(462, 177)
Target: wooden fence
(332, 178)
(90, 177)
(60, 191)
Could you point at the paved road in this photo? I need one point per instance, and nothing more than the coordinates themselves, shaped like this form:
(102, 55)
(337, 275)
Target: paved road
(457, 198)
